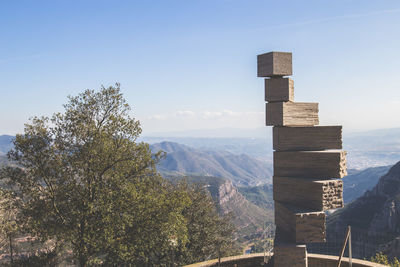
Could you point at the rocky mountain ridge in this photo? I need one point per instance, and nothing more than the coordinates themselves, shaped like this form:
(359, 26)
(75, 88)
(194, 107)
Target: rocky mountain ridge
(388, 192)
(374, 217)
(248, 217)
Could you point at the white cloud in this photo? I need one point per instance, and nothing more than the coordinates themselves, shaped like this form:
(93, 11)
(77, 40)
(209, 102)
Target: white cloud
(226, 113)
(179, 113)
(211, 114)
(185, 113)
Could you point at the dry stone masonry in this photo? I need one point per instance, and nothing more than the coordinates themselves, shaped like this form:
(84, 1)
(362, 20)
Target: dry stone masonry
(307, 163)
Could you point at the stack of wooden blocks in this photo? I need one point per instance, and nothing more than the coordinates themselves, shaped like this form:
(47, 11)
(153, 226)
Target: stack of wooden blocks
(307, 163)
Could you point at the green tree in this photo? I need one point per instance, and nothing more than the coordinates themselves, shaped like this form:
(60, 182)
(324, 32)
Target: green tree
(151, 228)
(8, 220)
(85, 181)
(210, 235)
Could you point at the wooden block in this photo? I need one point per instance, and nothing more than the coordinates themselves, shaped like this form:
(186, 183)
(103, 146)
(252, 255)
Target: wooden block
(291, 114)
(310, 164)
(299, 225)
(279, 89)
(274, 64)
(286, 255)
(309, 194)
(307, 138)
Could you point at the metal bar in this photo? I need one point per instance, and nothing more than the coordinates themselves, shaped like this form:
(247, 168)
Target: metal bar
(350, 251)
(344, 246)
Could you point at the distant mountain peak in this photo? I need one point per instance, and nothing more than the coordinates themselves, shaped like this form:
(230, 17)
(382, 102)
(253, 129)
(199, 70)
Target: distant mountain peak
(170, 147)
(240, 169)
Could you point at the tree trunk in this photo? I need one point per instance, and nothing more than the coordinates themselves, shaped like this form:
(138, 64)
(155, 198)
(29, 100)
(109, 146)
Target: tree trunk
(82, 260)
(11, 250)
(81, 253)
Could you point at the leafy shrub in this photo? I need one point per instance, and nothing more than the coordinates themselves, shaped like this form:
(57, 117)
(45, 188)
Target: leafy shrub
(383, 259)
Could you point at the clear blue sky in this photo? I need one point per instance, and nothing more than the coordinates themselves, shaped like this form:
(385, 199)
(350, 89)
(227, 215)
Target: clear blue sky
(191, 64)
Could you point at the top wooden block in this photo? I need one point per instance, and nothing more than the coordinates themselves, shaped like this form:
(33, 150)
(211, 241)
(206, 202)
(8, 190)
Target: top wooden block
(274, 64)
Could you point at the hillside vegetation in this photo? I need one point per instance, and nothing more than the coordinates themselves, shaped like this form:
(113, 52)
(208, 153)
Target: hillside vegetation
(261, 195)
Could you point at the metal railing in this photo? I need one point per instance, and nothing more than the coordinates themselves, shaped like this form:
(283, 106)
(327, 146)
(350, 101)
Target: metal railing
(364, 243)
(346, 240)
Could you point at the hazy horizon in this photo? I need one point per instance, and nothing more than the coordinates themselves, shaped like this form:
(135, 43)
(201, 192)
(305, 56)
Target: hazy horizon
(223, 132)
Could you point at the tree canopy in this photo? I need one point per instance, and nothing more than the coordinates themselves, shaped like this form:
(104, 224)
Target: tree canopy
(85, 182)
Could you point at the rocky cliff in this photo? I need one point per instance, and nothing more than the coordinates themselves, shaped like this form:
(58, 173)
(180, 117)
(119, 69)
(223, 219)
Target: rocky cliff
(248, 217)
(387, 192)
(374, 217)
(226, 193)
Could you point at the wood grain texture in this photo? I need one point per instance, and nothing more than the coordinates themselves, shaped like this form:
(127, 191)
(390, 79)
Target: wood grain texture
(299, 225)
(309, 194)
(292, 114)
(286, 255)
(274, 64)
(307, 138)
(279, 89)
(310, 164)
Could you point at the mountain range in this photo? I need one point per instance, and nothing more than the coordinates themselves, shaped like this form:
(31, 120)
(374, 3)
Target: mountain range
(365, 149)
(222, 158)
(242, 169)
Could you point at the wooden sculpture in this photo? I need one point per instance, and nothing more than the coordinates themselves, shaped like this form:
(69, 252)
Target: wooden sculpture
(307, 163)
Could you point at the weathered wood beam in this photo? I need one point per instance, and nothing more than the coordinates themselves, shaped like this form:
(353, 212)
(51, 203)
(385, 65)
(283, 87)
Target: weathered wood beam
(299, 225)
(286, 255)
(307, 138)
(291, 114)
(274, 64)
(309, 194)
(310, 164)
(279, 89)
